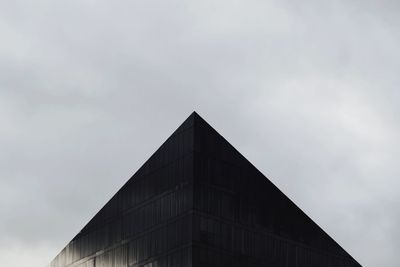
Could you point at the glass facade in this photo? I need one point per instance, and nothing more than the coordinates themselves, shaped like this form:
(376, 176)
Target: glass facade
(199, 202)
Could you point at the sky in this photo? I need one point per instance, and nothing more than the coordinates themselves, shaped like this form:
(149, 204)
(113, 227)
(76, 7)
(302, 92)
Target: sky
(308, 91)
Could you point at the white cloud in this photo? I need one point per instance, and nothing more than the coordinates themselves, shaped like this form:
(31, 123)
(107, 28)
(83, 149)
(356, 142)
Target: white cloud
(308, 92)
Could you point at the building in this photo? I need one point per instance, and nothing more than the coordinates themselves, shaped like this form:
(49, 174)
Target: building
(198, 202)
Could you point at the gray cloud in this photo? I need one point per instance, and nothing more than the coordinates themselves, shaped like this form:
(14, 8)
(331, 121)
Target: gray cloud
(307, 92)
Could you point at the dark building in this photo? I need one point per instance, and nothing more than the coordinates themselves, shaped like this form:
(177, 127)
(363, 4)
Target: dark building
(198, 202)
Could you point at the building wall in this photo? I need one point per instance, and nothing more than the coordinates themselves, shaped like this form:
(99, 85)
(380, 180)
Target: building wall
(148, 222)
(198, 202)
(242, 219)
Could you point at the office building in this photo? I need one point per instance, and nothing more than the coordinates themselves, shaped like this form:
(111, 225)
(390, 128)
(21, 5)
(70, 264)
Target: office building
(198, 202)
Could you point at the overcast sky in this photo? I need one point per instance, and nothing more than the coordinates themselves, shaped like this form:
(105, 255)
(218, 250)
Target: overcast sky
(308, 91)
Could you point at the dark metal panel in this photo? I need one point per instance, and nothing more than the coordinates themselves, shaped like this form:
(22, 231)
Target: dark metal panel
(147, 222)
(198, 202)
(241, 215)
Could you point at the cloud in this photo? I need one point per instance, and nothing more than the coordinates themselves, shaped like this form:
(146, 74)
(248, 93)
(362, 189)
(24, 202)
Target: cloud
(308, 92)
